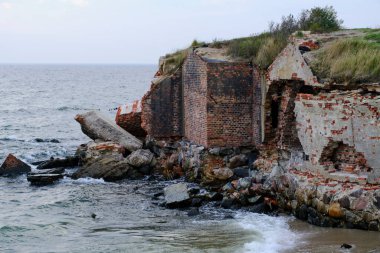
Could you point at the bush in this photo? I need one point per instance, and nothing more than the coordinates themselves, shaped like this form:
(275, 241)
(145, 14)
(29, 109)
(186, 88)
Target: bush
(320, 20)
(373, 36)
(349, 61)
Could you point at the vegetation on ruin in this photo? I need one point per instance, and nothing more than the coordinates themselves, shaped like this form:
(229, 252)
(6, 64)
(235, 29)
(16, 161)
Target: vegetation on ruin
(173, 61)
(350, 61)
(263, 48)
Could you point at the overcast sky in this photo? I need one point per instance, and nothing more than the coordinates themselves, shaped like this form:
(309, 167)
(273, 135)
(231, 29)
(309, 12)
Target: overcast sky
(139, 31)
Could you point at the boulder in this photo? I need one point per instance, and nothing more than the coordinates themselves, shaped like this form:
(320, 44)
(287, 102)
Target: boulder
(140, 158)
(237, 161)
(241, 171)
(335, 211)
(13, 166)
(176, 195)
(223, 173)
(110, 167)
(70, 161)
(97, 126)
(43, 179)
(244, 183)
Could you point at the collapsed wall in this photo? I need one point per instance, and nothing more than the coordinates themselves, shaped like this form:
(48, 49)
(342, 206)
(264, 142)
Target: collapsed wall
(340, 132)
(162, 107)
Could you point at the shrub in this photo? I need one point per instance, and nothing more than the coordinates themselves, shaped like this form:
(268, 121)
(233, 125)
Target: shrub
(373, 36)
(349, 61)
(320, 20)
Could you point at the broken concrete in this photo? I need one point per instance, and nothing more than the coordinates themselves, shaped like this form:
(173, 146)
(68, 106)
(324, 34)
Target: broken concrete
(97, 126)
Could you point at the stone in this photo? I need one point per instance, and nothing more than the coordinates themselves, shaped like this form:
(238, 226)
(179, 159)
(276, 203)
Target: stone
(226, 151)
(335, 211)
(214, 151)
(223, 173)
(97, 126)
(346, 246)
(140, 158)
(43, 179)
(227, 202)
(176, 195)
(255, 199)
(244, 183)
(108, 164)
(228, 188)
(237, 161)
(13, 166)
(241, 171)
(70, 161)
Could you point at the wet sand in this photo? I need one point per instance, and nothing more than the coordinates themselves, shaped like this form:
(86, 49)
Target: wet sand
(325, 240)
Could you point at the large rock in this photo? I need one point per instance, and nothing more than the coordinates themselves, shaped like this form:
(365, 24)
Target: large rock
(237, 161)
(140, 158)
(43, 179)
(13, 166)
(107, 166)
(104, 160)
(176, 195)
(97, 126)
(223, 173)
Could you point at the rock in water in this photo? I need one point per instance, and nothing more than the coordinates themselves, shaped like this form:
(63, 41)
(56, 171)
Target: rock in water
(13, 166)
(176, 195)
(346, 246)
(59, 163)
(43, 179)
(140, 158)
(109, 167)
(97, 126)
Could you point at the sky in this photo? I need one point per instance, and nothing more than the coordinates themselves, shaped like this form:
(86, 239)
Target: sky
(139, 31)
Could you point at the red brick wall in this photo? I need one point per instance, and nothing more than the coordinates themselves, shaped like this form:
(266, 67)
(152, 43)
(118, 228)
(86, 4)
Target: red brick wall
(162, 108)
(281, 95)
(229, 104)
(256, 107)
(195, 99)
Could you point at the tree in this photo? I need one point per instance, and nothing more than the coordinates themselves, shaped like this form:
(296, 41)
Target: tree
(320, 20)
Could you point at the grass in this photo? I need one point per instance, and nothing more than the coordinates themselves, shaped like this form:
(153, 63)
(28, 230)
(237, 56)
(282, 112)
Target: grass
(174, 61)
(349, 61)
(261, 49)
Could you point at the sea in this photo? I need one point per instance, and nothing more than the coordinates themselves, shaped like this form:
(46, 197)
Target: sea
(38, 104)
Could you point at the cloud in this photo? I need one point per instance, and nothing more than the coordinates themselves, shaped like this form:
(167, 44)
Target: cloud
(6, 5)
(79, 3)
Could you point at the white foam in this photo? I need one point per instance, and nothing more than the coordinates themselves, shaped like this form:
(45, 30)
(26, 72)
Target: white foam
(273, 233)
(86, 180)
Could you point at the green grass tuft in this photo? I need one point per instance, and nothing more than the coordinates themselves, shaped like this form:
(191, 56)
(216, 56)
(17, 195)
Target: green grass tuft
(349, 61)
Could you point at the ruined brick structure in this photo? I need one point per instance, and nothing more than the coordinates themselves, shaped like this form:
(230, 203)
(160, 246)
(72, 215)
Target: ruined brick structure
(216, 101)
(208, 101)
(129, 118)
(162, 110)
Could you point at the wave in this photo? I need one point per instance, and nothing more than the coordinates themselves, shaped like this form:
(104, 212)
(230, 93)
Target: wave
(272, 234)
(87, 180)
